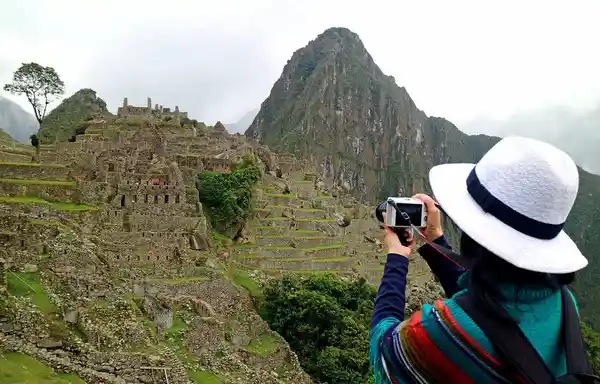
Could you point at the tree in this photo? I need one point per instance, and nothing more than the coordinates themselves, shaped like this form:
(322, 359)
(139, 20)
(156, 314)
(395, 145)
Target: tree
(326, 321)
(39, 84)
(35, 142)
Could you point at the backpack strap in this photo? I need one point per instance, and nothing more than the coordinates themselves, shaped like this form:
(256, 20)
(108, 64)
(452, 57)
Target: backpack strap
(509, 342)
(577, 361)
(578, 364)
(515, 350)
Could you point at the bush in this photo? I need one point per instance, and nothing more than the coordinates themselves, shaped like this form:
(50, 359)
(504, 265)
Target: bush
(326, 322)
(227, 197)
(592, 341)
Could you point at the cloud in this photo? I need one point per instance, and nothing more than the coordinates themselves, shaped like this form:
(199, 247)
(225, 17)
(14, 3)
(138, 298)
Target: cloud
(217, 60)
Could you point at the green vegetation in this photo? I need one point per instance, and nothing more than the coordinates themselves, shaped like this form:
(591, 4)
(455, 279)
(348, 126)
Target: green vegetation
(200, 377)
(19, 368)
(326, 322)
(33, 164)
(263, 345)
(242, 279)
(57, 205)
(227, 197)
(175, 338)
(72, 115)
(28, 285)
(592, 340)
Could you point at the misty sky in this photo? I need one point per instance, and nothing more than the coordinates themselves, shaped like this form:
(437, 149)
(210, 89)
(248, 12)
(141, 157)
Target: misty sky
(219, 59)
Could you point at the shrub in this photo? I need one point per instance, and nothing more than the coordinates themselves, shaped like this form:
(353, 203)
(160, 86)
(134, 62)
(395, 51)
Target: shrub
(227, 197)
(326, 322)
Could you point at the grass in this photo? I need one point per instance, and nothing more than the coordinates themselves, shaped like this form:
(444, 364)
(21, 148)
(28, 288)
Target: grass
(175, 337)
(300, 259)
(250, 256)
(201, 377)
(288, 248)
(292, 237)
(32, 164)
(322, 247)
(20, 368)
(184, 279)
(299, 219)
(23, 284)
(303, 271)
(295, 209)
(10, 151)
(39, 182)
(242, 279)
(288, 196)
(263, 346)
(57, 205)
(331, 259)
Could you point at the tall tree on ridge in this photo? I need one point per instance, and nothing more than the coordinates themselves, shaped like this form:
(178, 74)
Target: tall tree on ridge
(41, 85)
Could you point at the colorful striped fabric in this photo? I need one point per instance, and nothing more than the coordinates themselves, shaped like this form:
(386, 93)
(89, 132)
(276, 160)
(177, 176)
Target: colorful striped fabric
(440, 343)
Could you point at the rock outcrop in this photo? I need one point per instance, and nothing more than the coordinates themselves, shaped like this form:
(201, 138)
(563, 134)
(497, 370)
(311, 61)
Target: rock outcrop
(72, 114)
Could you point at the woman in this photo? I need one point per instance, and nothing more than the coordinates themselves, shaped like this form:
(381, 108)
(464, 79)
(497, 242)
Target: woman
(511, 207)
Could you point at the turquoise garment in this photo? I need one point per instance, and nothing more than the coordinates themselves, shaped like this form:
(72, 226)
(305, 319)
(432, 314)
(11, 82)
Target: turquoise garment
(538, 311)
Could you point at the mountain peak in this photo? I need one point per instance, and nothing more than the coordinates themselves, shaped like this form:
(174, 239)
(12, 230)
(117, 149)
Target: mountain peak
(61, 123)
(340, 34)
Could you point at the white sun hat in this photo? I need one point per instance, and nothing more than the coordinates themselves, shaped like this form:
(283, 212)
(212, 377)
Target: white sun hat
(514, 203)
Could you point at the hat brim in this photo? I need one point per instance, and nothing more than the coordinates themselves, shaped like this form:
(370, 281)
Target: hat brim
(558, 255)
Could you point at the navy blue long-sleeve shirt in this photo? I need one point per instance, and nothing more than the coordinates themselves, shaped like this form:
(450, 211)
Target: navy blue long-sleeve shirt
(391, 296)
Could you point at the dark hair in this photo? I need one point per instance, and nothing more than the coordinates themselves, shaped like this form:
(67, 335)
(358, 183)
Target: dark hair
(489, 271)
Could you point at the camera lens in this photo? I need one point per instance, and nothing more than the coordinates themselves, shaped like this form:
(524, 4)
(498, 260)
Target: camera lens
(381, 207)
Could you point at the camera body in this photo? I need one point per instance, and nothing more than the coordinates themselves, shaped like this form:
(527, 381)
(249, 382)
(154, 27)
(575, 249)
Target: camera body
(414, 208)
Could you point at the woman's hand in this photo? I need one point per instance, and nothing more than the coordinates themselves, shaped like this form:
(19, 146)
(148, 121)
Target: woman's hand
(433, 230)
(393, 243)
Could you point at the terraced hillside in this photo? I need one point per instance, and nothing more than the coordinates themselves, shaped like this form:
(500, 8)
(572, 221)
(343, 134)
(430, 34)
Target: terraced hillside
(112, 274)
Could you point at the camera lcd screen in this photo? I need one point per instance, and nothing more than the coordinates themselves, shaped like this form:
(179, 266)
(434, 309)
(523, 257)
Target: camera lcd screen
(414, 211)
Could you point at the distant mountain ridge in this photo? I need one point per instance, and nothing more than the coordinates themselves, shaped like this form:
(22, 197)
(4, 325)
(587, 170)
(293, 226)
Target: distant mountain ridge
(577, 132)
(16, 121)
(334, 105)
(243, 123)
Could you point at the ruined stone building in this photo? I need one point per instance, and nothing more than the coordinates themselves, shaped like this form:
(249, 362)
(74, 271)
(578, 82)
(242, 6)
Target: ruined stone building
(142, 179)
(158, 111)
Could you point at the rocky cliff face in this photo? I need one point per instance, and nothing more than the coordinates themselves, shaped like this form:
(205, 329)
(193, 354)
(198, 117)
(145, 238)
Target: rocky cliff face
(62, 122)
(334, 105)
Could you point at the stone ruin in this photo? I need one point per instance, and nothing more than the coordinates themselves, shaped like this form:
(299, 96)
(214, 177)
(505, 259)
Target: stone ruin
(113, 225)
(158, 112)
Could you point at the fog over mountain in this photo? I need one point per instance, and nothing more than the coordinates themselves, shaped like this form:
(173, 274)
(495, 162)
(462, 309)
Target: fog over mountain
(16, 121)
(243, 123)
(576, 131)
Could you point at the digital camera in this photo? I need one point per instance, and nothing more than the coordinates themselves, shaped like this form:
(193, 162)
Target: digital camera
(394, 206)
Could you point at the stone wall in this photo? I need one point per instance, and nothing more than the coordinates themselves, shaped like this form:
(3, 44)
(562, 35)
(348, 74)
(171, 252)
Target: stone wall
(15, 157)
(158, 111)
(33, 171)
(67, 191)
(216, 165)
(162, 223)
